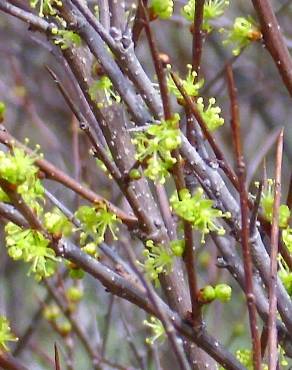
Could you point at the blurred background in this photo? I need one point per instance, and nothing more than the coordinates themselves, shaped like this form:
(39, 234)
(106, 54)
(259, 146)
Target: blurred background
(36, 110)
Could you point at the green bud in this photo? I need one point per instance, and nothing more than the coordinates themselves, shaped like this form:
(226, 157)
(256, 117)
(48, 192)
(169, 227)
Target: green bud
(51, 312)
(135, 174)
(223, 292)
(178, 247)
(207, 294)
(2, 110)
(74, 294)
(65, 328)
(90, 248)
(76, 274)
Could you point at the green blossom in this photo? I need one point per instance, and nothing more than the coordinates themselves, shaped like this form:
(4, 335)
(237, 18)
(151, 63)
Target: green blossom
(245, 357)
(157, 260)
(162, 8)
(67, 39)
(5, 334)
(199, 211)
(285, 274)
(190, 84)
(95, 222)
(286, 278)
(243, 32)
(267, 203)
(154, 148)
(178, 247)
(211, 114)
(17, 167)
(157, 328)
(32, 247)
(212, 9)
(46, 7)
(287, 238)
(105, 86)
(57, 223)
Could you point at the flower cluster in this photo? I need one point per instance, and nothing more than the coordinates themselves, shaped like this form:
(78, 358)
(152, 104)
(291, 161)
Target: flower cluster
(190, 85)
(285, 274)
(199, 211)
(57, 223)
(243, 32)
(244, 356)
(162, 8)
(157, 260)
(95, 222)
(66, 39)
(222, 292)
(46, 7)
(32, 247)
(211, 114)
(18, 169)
(5, 334)
(157, 328)
(104, 86)
(212, 9)
(154, 148)
(267, 203)
(53, 314)
(287, 238)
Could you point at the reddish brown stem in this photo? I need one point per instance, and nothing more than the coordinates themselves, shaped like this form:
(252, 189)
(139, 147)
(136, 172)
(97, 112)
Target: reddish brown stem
(56, 174)
(194, 110)
(8, 362)
(177, 169)
(157, 64)
(245, 232)
(272, 329)
(274, 40)
(198, 35)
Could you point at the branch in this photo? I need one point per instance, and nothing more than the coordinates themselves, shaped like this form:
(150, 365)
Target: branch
(274, 41)
(35, 22)
(197, 35)
(245, 232)
(272, 330)
(7, 362)
(53, 173)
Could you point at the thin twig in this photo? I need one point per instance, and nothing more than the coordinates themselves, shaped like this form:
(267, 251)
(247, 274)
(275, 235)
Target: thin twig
(272, 329)
(8, 362)
(177, 169)
(168, 326)
(198, 35)
(274, 41)
(194, 110)
(53, 173)
(245, 232)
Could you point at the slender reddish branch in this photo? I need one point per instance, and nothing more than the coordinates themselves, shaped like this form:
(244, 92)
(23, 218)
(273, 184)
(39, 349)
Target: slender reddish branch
(157, 63)
(245, 232)
(194, 110)
(272, 329)
(198, 35)
(56, 174)
(178, 174)
(274, 41)
(8, 362)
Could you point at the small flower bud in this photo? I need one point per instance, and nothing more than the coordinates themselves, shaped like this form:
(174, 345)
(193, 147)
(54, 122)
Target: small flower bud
(207, 294)
(223, 292)
(74, 294)
(135, 174)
